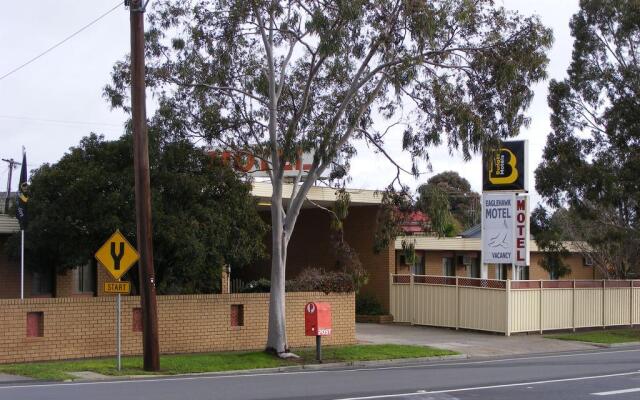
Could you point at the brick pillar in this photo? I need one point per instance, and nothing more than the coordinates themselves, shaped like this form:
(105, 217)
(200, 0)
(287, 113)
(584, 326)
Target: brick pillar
(225, 287)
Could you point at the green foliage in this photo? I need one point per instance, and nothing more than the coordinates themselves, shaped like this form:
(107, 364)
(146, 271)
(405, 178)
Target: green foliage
(347, 258)
(310, 280)
(370, 352)
(203, 215)
(221, 71)
(171, 364)
(216, 362)
(606, 337)
(592, 157)
(463, 203)
(434, 202)
(262, 285)
(368, 305)
(549, 236)
(409, 252)
(393, 211)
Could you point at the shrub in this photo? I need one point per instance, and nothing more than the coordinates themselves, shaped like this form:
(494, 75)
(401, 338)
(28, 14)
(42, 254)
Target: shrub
(309, 280)
(318, 280)
(260, 286)
(368, 305)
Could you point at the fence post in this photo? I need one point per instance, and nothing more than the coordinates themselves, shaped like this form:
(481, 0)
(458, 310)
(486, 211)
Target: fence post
(411, 296)
(457, 305)
(631, 307)
(573, 306)
(391, 295)
(508, 301)
(540, 305)
(604, 302)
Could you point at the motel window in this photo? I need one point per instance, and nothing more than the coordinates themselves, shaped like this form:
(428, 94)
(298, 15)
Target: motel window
(474, 268)
(418, 268)
(42, 283)
(501, 271)
(448, 268)
(522, 273)
(84, 278)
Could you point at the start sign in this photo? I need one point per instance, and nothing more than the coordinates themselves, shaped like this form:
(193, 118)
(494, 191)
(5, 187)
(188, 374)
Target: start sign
(117, 255)
(317, 319)
(117, 287)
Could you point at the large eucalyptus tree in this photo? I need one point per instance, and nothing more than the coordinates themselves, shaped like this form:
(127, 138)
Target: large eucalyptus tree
(591, 160)
(283, 76)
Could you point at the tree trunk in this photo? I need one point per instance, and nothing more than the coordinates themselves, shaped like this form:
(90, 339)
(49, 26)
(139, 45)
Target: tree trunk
(277, 337)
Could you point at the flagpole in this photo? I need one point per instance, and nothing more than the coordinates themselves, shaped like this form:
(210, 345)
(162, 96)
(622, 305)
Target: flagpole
(22, 266)
(21, 214)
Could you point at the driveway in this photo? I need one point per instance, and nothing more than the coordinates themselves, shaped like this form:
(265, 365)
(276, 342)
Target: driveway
(474, 344)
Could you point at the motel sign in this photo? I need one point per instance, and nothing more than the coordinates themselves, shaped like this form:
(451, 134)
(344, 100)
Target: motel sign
(505, 228)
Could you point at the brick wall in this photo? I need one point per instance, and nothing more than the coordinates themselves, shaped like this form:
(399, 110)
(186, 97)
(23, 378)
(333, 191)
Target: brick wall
(575, 262)
(10, 276)
(359, 231)
(310, 247)
(433, 266)
(85, 327)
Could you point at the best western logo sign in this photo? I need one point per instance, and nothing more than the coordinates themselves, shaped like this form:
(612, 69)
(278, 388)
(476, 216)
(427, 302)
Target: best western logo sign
(505, 228)
(246, 162)
(506, 168)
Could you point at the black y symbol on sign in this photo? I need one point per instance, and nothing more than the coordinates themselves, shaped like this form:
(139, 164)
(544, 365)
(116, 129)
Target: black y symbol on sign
(117, 257)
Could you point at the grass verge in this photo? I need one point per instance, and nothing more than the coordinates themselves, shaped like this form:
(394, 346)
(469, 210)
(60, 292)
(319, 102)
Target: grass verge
(217, 362)
(602, 336)
(372, 352)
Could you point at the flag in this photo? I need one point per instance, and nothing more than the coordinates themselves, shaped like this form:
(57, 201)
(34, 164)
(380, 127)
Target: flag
(23, 186)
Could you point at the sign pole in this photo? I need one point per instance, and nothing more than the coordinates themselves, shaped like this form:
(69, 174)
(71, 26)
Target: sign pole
(319, 348)
(118, 333)
(117, 255)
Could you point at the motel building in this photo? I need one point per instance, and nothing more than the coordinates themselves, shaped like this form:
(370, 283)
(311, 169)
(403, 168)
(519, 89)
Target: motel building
(310, 247)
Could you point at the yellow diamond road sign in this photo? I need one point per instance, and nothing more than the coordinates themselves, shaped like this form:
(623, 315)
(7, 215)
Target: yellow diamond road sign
(117, 255)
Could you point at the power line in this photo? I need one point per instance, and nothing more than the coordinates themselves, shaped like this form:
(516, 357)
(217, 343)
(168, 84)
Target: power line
(57, 121)
(119, 4)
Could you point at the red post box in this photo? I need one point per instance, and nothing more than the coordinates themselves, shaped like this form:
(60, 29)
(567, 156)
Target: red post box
(317, 319)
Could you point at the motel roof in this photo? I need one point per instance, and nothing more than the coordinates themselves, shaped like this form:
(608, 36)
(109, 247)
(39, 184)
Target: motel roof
(448, 243)
(460, 243)
(320, 194)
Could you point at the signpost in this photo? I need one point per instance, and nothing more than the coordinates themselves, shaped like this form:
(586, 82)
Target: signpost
(117, 256)
(505, 207)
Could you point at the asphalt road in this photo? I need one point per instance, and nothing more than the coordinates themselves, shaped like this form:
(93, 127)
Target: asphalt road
(604, 374)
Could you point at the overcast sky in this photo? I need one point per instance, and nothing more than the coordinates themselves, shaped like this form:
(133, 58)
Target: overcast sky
(49, 105)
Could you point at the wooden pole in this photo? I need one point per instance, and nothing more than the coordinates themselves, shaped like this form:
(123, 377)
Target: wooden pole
(150, 345)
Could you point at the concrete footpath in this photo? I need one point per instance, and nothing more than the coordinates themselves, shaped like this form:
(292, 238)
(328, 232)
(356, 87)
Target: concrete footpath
(6, 378)
(473, 344)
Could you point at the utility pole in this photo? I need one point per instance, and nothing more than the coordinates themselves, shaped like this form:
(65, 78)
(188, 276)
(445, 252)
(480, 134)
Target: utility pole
(12, 165)
(150, 345)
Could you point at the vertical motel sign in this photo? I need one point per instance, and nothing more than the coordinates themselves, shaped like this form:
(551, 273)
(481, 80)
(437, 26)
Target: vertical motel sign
(521, 245)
